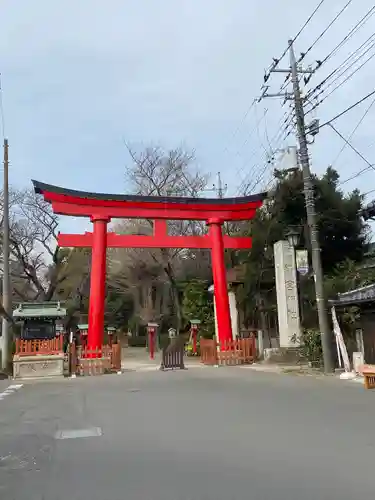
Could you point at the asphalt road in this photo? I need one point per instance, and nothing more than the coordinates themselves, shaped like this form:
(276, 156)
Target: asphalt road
(203, 434)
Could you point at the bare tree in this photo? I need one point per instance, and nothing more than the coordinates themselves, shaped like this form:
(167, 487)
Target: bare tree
(156, 172)
(135, 272)
(38, 265)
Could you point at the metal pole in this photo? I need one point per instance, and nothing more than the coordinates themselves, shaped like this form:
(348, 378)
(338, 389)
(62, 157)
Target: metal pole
(325, 330)
(6, 277)
(219, 188)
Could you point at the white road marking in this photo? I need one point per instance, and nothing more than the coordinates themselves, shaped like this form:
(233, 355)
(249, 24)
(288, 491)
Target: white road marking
(79, 433)
(10, 390)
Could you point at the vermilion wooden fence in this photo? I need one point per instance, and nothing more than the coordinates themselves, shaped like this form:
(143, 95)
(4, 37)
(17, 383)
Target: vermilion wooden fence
(368, 372)
(208, 351)
(84, 361)
(34, 347)
(235, 352)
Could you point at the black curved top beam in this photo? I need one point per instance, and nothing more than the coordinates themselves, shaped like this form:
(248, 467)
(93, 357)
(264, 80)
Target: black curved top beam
(41, 188)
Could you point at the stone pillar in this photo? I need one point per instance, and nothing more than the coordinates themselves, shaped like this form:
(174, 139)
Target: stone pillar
(260, 343)
(233, 315)
(287, 294)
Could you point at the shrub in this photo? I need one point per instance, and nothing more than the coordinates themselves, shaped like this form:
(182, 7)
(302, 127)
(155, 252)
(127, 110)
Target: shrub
(310, 346)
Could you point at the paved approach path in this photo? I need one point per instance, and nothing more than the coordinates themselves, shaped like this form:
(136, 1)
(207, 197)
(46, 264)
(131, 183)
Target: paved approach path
(213, 434)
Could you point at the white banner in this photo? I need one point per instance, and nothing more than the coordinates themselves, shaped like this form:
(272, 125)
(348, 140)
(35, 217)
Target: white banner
(302, 261)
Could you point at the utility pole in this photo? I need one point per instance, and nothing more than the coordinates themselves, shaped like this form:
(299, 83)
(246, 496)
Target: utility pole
(220, 190)
(6, 270)
(324, 327)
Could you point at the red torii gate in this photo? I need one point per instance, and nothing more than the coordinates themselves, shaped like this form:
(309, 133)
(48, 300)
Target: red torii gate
(101, 208)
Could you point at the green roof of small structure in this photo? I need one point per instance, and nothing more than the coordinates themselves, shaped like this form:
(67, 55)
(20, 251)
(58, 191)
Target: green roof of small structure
(39, 310)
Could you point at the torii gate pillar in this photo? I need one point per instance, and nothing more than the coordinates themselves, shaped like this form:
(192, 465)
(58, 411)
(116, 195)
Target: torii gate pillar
(224, 324)
(97, 283)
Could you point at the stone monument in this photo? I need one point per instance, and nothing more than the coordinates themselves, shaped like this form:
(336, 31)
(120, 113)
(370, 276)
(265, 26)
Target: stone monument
(233, 310)
(287, 294)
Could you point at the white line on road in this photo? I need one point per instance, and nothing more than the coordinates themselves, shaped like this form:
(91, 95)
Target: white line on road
(79, 433)
(10, 390)
(15, 386)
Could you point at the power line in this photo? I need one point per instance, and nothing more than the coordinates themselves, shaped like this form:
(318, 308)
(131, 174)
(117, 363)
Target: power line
(255, 128)
(245, 115)
(306, 23)
(268, 154)
(354, 131)
(342, 83)
(251, 181)
(303, 55)
(368, 192)
(362, 22)
(352, 32)
(356, 175)
(341, 67)
(273, 66)
(237, 129)
(347, 109)
(275, 139)
(339, 76)
(351, 60)
(276, 61)
(357, 69)
(249, 184)
(370, 165)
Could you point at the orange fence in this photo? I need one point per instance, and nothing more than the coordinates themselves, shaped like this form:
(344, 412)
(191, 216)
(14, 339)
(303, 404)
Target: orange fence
(35, 347)
(368, 372)
(235, 352)
(85, 361)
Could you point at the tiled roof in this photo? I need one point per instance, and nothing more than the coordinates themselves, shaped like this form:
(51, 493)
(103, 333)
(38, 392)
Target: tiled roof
(357, 296)
(39, 310)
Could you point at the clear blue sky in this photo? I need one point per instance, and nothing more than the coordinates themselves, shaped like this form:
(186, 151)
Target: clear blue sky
(81, 76)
